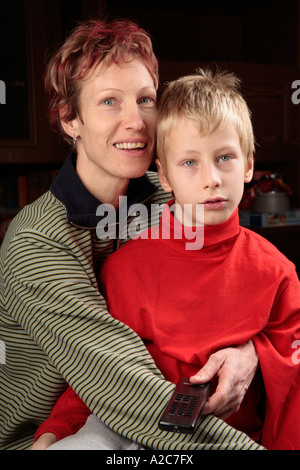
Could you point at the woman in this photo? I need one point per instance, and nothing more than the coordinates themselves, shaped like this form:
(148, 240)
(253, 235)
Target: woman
(102, 91)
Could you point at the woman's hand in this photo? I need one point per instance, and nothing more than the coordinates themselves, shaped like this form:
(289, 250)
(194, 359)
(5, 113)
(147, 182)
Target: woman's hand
(235, 369)
(44, 441)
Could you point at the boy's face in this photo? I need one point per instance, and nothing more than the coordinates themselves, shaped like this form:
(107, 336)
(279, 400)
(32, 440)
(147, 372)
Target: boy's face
(209, 171)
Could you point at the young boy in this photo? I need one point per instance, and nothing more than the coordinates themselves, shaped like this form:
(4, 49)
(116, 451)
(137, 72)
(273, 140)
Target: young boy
(232, 285)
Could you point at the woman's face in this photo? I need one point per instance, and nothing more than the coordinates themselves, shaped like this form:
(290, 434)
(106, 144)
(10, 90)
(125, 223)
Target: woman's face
(116, 126)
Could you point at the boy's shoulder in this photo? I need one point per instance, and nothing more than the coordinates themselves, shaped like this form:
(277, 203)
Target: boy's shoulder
(146, 240)
(140, 251)
(263, 250)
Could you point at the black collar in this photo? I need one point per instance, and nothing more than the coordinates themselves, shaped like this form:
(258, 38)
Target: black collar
(81, 205)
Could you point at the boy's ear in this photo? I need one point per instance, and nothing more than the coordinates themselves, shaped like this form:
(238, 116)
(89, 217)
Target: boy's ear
(249, 169)
(162, 177)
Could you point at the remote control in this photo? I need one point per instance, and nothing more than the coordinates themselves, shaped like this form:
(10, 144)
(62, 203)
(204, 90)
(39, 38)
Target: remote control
(185, 407)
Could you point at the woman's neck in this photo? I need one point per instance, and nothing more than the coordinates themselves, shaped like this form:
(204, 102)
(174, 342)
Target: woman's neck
(107, 189)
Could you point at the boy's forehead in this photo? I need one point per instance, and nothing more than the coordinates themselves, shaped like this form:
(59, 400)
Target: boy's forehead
(196, 128)
(187, 135)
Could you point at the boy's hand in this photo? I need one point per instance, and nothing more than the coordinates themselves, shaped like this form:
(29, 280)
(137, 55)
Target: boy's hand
(44, 441)
(235, 369)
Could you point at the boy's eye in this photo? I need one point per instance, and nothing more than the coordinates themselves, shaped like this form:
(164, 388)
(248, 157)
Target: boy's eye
(225, 158)
(189, 163)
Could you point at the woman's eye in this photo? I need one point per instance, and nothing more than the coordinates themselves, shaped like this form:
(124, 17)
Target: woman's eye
(147, 100)
(108, 101)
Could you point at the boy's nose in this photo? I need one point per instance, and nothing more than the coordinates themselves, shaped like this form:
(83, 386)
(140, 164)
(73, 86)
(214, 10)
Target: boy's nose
(210, 177)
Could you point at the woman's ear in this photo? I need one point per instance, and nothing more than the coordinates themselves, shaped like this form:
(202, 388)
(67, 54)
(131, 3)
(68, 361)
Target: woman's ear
(162, 177)
(70, 127)
(249, 169)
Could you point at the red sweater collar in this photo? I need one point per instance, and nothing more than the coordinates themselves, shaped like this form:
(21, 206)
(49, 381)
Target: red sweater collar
(205, 238)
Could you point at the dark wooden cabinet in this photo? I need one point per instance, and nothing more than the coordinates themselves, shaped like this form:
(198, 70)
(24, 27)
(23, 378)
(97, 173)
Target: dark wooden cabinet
(26, 138)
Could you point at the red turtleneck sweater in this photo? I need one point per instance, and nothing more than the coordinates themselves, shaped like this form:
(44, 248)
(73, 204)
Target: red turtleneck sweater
(188, 304)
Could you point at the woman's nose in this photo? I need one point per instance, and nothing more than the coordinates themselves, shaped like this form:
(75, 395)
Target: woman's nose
(132, 117)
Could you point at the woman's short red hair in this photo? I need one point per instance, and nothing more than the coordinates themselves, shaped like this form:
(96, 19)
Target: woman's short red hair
(89, 44)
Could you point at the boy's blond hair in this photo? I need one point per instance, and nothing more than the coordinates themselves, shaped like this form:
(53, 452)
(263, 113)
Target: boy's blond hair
(207, 98)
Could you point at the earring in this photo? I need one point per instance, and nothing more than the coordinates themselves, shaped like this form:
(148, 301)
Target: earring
(74, 140)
